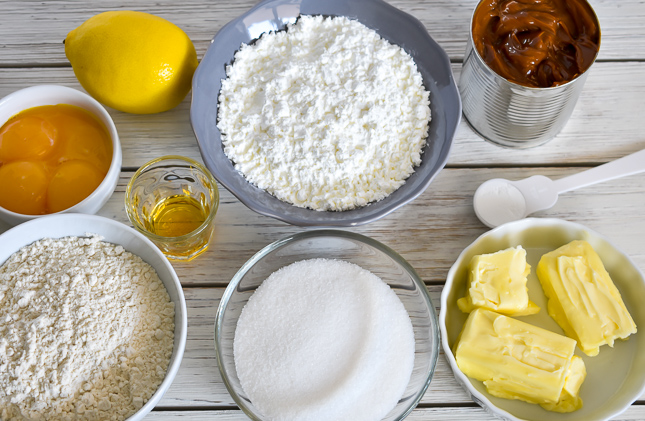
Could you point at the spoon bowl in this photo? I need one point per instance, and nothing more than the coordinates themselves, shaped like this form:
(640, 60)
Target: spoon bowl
(498, 201)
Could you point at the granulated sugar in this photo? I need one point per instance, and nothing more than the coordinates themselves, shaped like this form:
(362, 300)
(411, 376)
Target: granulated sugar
(86, 331)
(325, 340)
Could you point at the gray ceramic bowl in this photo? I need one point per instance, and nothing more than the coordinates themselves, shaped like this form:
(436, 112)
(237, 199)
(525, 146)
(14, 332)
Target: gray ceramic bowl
(393, 25)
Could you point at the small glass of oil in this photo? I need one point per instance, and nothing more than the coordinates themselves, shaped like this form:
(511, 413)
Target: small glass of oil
(173, 200)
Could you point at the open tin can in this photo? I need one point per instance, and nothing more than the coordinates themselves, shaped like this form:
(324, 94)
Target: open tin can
(510, 114)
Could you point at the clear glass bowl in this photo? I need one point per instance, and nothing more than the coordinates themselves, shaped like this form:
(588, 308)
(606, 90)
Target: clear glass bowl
(342, 245)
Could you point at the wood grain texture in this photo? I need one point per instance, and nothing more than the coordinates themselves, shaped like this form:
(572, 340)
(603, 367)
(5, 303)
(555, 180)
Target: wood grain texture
(430, 232)
(198, 383)
(32, 31)
(606, 124)
(633, 413)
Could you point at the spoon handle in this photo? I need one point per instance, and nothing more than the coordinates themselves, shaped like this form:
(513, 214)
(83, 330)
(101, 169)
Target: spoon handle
(627, 165)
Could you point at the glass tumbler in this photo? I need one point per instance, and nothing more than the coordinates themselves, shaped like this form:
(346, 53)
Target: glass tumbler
(173, 200)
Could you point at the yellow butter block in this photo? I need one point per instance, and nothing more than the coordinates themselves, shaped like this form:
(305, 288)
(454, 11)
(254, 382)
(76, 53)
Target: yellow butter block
(569, 399)
(516, 360)
(583, 299)
(497, 282)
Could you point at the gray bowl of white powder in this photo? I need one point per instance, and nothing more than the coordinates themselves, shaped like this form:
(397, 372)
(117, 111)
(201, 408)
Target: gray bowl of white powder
(316, 191)
(326, 325)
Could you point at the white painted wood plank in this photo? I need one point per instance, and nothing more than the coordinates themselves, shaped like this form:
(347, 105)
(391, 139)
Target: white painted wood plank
(198, 382)
(143, 137)
(606, 124)
(425, 414)
(32, 31)
(430, 232)
(634, 413)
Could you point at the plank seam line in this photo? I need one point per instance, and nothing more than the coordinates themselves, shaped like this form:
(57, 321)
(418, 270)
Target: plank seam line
(205, 285)
(61, 65)
(460, 60)
(448, 405)
(195, 408)
(527, 165)
(35, 66)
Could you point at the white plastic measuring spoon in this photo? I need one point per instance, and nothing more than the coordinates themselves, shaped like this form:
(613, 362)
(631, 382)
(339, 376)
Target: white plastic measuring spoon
(498, 200)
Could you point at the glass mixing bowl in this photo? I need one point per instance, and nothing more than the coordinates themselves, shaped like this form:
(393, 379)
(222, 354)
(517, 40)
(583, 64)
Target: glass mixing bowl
(332, 244)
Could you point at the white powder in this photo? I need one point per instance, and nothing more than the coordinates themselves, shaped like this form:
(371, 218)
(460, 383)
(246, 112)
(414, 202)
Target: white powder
(326, 115)
(86, 331)
(497, 202)
(324, 340)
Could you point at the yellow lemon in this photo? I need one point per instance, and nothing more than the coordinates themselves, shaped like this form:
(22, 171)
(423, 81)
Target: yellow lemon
(132, 61)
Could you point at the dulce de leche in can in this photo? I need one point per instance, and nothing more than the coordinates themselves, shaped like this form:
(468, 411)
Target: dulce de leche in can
(525, 66)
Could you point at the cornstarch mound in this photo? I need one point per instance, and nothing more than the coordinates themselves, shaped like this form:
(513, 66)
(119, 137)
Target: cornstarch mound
(86, 331)
(324, 340)
(326, 115)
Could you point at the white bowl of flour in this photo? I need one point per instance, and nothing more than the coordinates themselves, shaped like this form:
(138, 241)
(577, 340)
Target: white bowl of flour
(93, 319)
(326, 325)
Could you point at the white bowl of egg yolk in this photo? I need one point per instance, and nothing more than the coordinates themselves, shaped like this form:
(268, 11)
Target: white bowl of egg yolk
(59, 153)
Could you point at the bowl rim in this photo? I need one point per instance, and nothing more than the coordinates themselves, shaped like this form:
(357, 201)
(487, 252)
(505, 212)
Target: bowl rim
(181, 312)
(317, 233)
(111, 177)
(519, 225)
(266, 205)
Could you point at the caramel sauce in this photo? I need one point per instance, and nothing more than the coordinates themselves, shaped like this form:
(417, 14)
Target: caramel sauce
(536, 43)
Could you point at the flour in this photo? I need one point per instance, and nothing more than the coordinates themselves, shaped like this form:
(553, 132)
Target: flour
(86, 331)
(326, 115)
(324, 340)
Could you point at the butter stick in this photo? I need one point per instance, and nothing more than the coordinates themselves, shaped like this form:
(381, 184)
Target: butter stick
(583, 299)
(516, 360)
(569, 399)
(497, 282)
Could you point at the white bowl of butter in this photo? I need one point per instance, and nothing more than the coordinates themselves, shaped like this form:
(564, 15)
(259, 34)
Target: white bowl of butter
(615, 377)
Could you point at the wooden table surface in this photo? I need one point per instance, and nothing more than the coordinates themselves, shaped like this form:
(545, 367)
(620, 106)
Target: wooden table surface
(608, 122)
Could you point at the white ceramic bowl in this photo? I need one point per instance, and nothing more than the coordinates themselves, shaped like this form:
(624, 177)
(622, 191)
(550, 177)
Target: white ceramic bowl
(35, 96)
(63, 225)
(615, 377)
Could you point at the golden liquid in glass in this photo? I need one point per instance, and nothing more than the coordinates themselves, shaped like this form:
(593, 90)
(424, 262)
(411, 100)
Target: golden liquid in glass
(177, 215)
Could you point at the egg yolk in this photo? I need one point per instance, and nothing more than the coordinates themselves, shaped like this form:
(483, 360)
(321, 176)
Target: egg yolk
(82, 145)
(23, 187)
(30, 137)
(51, 158)
(72, 182)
